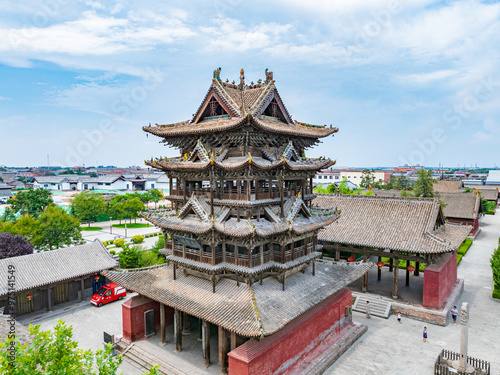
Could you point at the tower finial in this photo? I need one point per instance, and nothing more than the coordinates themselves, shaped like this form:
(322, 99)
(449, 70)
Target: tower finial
(242, 78)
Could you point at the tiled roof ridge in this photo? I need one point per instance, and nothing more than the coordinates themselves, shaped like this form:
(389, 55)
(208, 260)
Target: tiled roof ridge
(377, 197)
(226, 98)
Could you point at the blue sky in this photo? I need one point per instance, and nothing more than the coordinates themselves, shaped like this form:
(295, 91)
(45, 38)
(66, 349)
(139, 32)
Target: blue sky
(411, 81)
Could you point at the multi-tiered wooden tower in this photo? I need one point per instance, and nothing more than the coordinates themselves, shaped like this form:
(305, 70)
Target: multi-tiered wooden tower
(241, 188)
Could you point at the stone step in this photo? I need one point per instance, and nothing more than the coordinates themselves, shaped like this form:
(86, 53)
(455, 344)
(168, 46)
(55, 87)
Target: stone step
(143, 360)
(378, 307)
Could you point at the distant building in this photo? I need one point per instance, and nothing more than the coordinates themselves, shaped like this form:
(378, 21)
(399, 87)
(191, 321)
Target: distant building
(463, 209)
(493, 177)
(5, 190)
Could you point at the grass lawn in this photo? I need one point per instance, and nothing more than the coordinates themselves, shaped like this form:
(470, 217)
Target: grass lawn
(90, 229)
(133, 225)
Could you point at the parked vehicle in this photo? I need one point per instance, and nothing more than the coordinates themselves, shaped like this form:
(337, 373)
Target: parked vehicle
(108, 293)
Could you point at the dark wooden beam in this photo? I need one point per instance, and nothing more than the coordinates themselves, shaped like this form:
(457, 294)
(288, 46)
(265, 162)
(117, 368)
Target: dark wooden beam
(370, 252)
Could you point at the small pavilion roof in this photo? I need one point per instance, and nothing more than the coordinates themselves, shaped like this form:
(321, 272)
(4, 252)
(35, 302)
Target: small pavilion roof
(232, 307)
(488, 193)
(461, 206)
(48, 267)
(403, 224)
(448, 186)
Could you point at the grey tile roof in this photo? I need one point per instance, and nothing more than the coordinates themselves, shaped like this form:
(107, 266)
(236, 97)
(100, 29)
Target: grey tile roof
(35, 270)
(490, 194)
(461, 206)
(402, 224)
(448, 186)
(231, 306)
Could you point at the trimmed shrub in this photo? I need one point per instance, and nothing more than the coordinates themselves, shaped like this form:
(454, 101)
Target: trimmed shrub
(496, 293)
(459, 258)
(464, 247)
(138, 238)
(112, 252)
(119, 242)
(149, 258)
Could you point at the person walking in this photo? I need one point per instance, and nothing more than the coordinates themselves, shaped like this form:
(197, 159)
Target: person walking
(368, 310)
(399, 317)
(425, 334)
(454, 314)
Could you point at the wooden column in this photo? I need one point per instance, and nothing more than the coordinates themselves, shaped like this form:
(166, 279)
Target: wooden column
(395, 281)
(212, 183)
(186, 324)
(200, 337)
(183, 251)
(280, 182)
(407, 273)
(206, 343)
(391, 263)
(233, 341)
(249, 188)
(283, 280)
(337, 254)
(379, 270)
(315, 242)
(49, 299)
(224, 252)
(177, 330)
(184, 190)
(213, 283)
(364, 288)
(310, 185)
(212, 247)
(238, 189)
(293, 250)
(270, 183)
(223, 349)
(282, 253)
(302, 185)
(261, 250)
(170, 186)
(417, 269)
(175, 268)
(82, 288)
(163, 341)
(314, 267)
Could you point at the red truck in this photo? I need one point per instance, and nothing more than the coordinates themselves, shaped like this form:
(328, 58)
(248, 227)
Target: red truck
(108, 293)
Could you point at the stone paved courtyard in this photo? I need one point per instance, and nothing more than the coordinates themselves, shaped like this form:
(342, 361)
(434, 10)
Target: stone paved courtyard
(391, 348)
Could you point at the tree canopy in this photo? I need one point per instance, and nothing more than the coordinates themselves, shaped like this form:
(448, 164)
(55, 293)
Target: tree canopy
(55, 228)
(55, 352)
(367, 179)
(31, 201)
(424, 185)
(14, 245)
(88, 206)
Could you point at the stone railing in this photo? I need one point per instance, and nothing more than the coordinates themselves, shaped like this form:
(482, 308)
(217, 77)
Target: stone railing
(442, 366)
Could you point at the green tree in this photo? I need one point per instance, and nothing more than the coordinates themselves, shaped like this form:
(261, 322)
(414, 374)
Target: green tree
(424, 185)
(149, 258)
(495, 267)
(88, 206)
(25, 226)
(116, 211)
(55, 229)
(400, 183)
(129, 256)
(344, 189)
(132, 207)
(155, 195)
(367, 179)
(55, 352)
(31, 201)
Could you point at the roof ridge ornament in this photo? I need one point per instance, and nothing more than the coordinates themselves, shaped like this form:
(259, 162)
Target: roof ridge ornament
(242, 79)
(217, 74)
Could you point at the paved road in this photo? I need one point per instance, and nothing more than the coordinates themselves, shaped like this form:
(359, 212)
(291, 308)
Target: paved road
(391, 348)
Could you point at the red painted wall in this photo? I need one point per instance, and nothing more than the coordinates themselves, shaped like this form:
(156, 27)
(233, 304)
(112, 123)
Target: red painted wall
(133, 317)
(280, 352)
(439, 279)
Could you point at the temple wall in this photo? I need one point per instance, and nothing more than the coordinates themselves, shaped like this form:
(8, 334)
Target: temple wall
(282, 351)
(133, 317)
(439, 279)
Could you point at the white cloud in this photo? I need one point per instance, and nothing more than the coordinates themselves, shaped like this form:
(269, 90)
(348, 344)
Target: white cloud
(91, 35)
(425, 78)
(491, 133)
(3, 98)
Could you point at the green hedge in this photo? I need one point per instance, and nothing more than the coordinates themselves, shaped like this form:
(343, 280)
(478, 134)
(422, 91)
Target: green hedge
(464, 247)
(488, 207)
(459, 258)
(496, 293)
(402, 264)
